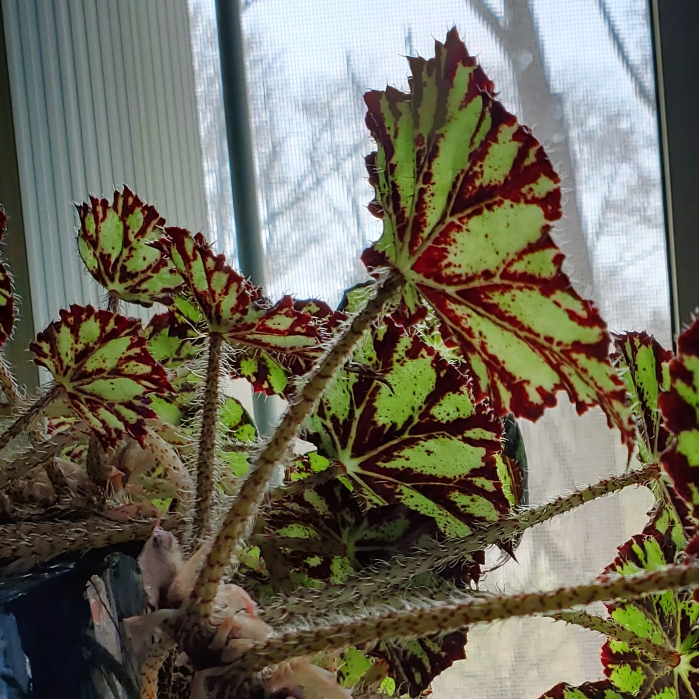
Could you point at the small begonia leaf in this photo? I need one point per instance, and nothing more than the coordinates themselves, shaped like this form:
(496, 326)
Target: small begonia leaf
(680, 408)
(667, 618)
(172, 339)
(590, 690)
(468, 199)
(114, 243)
(645, 370)
(271, 336)
(407, 430)
(102, 362)
(7, 299)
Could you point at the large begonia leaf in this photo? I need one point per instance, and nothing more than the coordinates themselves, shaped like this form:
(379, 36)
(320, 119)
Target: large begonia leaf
(102, 362)
(468, 199)
(667, 618)
(407, 430)
(234, 307)
(330, 516)
(590, 690)
(7, 299)
(645, 370)
(680, 408)
(114, 243)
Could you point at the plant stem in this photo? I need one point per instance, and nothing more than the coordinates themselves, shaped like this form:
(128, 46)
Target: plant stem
(611, 629)
(155, 657)
(25, 419)
(252, 491)
(36, 542)
(399, 571)
(96, 463)
(8, 385)
(445, 617)
(35, 457)
(207, 443)
(113, 301)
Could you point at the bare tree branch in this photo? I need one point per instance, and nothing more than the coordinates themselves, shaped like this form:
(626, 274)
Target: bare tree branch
(644, 94)
(487, 15)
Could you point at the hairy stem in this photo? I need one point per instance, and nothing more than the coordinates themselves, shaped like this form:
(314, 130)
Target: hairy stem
(155, 657)
(611, 629)
(8, 385)
(37, 542)
(35, 457)
(446, 617)
(24, 420)
(399, 571)
(251, 493)
(207, 443)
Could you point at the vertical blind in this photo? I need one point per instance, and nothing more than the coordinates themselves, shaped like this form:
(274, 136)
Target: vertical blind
(103, 96)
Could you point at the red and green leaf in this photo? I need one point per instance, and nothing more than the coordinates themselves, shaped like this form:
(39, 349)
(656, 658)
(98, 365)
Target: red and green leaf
(590, 690)
(7, 299)
(668, 619)
(403, 423)
(468, 200)
(273, 339)
(114, 243)
(644, 368)
(172, 339)
(330, 517)
(102, 362)
(680, 408)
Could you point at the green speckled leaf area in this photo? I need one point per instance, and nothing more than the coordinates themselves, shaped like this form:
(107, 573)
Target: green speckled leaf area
(644, 367)
(102, 361)
(680, 408)
(408, 431)
(172, 339)
(335, 536)
(668, 619)
(589, 690)
(114, 243)
(7, 299)
(468, 199)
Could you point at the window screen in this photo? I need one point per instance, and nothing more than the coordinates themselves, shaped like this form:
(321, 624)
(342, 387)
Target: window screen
(580, 74)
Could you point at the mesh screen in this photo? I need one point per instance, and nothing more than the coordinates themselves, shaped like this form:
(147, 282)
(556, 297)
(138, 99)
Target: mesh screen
(579, 72)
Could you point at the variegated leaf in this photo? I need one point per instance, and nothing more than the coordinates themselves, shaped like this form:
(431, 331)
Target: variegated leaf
(590, 690)
(335, 536)
(233, 307)
(644, 367)
(668, 619)
(102, 362)
(402, 421)
(114, 243)
(468, 199)
(172, 339)
(680, 408)
(7, 299)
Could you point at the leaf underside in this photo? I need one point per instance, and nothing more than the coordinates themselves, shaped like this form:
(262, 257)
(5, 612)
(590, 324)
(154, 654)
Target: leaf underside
(468, 199)
(102, 362)
(407, 430)
(114, 243)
